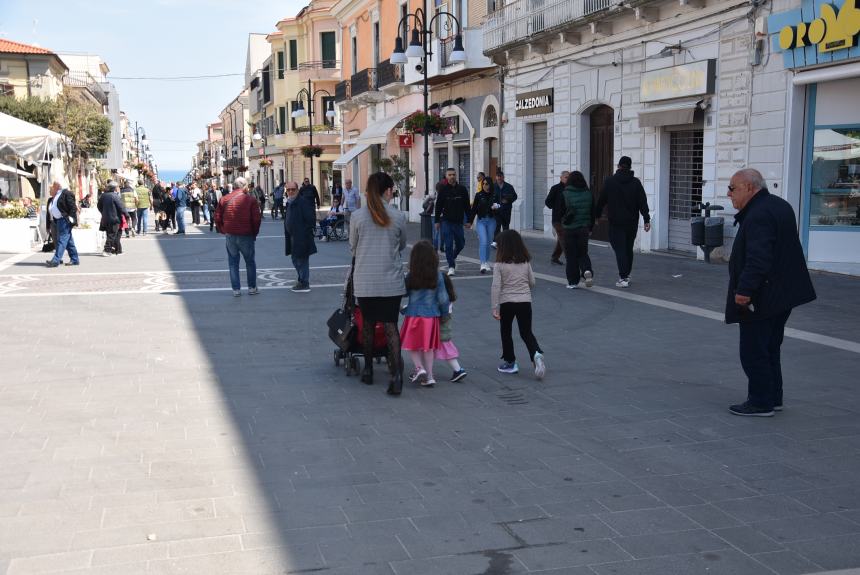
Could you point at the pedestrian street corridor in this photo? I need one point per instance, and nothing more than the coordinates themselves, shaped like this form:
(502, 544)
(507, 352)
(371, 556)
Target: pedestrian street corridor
(152, 423)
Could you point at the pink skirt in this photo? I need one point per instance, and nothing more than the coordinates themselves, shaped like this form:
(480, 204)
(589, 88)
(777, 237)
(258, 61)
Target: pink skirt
(419, 333)
(447, 350)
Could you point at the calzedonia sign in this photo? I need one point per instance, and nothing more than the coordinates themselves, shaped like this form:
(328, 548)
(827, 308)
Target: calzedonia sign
(533, 103)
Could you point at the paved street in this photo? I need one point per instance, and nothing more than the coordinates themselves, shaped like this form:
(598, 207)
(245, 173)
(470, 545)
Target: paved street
(152, 423)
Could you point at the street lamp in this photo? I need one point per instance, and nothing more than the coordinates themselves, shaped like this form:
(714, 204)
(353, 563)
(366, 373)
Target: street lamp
(300, 112)
(423, 49)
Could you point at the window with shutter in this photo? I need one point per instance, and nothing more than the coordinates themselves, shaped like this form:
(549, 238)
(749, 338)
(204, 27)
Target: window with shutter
(294, 55)
(282, 119)
(280, 65)
(329, 49)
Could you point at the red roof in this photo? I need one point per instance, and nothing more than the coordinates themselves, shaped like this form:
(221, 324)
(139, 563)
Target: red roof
(10, 47)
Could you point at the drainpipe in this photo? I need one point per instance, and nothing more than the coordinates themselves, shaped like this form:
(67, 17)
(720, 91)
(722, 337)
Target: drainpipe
(29, 87)
(501, 117)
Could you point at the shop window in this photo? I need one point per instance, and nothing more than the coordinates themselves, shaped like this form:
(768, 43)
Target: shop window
(835, 197)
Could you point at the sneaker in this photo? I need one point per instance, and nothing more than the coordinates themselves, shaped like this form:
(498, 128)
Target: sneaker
(72, 263)
(485, 267)
(452, 272)
(509, 367)
(750, 410)
(623, 283)
(428, 383)
(589, 278)
(556, 261)
(237, 292)
(540, 366)
(324, 239)
(572, 286)
(300, 288)
(253, 291)
(493, 245)
(459, 375)
(418, 376)
(51, 263)
(777, 407)
(106, 254)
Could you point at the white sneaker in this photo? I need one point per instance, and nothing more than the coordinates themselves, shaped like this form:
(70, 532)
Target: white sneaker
(622, 283)
(589, 278)
(572, 286)
(493, 245)
(237, 293)
(540, 366)
(452, 272)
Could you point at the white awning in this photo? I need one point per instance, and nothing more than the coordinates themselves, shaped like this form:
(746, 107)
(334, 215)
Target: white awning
(13, 170)
(675, 114)
(377, 133)
(350, 155)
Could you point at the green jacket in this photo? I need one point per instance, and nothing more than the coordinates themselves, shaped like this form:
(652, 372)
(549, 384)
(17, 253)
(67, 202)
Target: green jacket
(143, 200)
(579, 208)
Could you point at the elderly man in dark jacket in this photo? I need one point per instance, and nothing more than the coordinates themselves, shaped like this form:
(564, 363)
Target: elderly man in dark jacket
(767, 278)
(63, 215)
(299, 223)
(555, 201)
(112, 209)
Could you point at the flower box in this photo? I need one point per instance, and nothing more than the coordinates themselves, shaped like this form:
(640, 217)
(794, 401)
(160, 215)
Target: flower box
(16, 235)
(311, 151)
(88, 240)
(420, 123)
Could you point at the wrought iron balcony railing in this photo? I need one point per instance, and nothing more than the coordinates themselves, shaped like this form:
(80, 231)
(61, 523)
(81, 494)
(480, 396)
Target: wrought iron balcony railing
(388, 73)
(364, 81)
(342, 91)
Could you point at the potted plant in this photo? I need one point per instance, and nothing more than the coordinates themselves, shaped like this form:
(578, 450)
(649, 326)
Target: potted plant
(242, 169)
(311, 151)
(15, 232)
(421, 123)
(139, 166)
(265, 163)
(227, 171)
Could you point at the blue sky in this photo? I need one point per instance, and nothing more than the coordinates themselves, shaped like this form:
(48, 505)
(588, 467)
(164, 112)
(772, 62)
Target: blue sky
(155, 38)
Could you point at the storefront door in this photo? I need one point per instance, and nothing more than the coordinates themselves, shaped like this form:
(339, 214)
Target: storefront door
(464, 168)
(538, 189)
(601, 156)
(685, 185)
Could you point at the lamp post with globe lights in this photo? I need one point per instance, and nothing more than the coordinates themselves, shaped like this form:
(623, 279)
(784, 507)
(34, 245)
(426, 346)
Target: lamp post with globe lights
(300, 112)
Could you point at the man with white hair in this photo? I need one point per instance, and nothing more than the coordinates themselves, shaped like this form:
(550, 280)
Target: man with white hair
(238, 216)
(64, 214)
(767, 278)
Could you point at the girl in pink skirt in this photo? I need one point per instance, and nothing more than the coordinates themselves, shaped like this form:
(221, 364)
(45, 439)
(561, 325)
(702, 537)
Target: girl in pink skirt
(428, 302)
(447, 350)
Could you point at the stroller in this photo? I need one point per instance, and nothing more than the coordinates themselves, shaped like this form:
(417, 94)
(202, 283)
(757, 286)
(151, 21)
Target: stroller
(345, 330)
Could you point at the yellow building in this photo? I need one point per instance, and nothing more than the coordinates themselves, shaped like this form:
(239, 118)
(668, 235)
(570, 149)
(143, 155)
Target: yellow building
(27, 71)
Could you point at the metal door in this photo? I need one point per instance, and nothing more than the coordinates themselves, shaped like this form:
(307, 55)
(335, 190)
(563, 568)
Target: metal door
(464, 170)
(601, 151)
(441, 165)
(685, 185)
(538, 190)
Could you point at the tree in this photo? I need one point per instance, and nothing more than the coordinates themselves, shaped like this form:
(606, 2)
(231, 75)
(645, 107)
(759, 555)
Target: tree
(34, 110)
(398, 168)
(88, 130)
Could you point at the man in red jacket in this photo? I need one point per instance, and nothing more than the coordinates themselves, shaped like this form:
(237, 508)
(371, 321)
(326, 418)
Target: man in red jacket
(238, 216)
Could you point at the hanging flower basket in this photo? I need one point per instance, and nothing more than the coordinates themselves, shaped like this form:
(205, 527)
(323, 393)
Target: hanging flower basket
(265, 163)
(242, 169)
(419, 123)
(227, 171)
(311, 151)
(139, 166)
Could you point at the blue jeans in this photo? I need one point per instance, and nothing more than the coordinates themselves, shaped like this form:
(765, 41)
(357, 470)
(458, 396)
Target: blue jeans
(241, 245)
(303, 269)
(180, 219)
(206, 212)
(454, 238)
(65, 241)
(486, 229)
(142, 220)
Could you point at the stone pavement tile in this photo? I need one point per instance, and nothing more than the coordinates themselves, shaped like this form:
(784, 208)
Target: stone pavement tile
(380, 492)
(842, 552)
(780, 485)
(763, 508)
(587, 473)
(709, 516)
(560, 529)
(469, 564)
(748, 539)
(787, 563)
(388, 509)
(676, 543)
(259, 562)
(131, 535)
(574, 507)
(192, 493)
(640, 522)
(720, 562)
(126, 569)
(446, 537)
(347, 552)
(292, 518)
(571, 554)
(830, 498)
(631, 502)
(130, 553)
(503, 514)
(807, 527)
(159, 513)
(49, 563)
(764, 471)
(278, 538)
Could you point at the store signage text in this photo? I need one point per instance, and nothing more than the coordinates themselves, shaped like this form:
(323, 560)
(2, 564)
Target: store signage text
(533, 103)
(833, 30)
(693, 79)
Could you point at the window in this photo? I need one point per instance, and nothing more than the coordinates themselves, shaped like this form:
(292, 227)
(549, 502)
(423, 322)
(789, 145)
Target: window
(267, 83)
(376, 44)
(293, 107)
(835, 198)
(282, 119)
(280, 65)
(354, 56)
(7, 90)
(328, 41)
(294, 55)
(491, 118)
(327, 104)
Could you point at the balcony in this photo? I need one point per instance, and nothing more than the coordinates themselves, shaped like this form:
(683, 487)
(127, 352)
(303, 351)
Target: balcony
(342, 92)
(389, 78)
(365, 88)
(86, 84)
(324, 135)
(322, 70)
(440, 68)
(524, 20)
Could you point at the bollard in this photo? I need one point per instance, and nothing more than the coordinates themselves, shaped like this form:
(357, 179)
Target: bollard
(706, 232)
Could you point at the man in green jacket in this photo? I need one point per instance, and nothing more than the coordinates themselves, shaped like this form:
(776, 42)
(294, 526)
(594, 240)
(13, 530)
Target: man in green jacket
(144, 203)
(129, 202)
(577, 221)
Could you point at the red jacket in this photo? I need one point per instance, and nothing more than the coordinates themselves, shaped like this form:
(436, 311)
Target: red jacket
(238, 214)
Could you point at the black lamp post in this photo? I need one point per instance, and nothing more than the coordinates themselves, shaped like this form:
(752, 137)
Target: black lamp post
(423, 30)
(300, 112)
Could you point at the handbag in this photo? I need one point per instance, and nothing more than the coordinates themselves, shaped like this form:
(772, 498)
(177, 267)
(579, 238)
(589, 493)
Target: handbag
(341, 327)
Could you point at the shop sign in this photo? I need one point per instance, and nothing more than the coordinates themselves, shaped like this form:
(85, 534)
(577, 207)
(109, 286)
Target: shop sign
(693, 79)
(833, 30)
(405, 140)
(534, 103)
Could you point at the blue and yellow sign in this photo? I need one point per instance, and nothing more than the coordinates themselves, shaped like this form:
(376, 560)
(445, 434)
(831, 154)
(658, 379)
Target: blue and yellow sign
(820, 32)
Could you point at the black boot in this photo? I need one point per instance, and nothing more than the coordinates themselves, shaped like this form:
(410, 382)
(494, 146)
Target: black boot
(395, 359)
(367, 348)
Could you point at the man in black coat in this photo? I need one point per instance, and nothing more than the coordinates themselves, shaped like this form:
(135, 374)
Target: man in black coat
(63, 216)
(451, 213)
(299, 222)
(505, 196)
(624, 195)
(767, 278)
(112, 209)
(555, 202)
(310, 193)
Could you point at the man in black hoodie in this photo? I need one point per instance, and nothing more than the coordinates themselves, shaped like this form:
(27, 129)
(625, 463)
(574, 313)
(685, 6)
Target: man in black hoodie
(625, 196)
(555, 202)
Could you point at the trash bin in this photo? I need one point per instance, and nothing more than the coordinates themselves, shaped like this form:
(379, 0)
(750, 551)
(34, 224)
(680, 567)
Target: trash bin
(697, 230)
(427, 227)
(713, 232)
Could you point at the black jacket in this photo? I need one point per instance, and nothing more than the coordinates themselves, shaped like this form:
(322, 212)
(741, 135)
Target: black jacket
(505, 196)
(111, 206)
(452, 204)
(555, 201)
(625, 196)
(482, 206)
(67, 206)
(767, 262)
(311, 194)
(299, 222)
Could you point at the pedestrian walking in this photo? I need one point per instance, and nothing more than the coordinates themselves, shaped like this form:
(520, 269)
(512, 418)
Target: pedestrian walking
(452, 211)
(144, 204)
(428, 302)
(554, 201)
(112, 210)
(484, 219)
(129, 202)
(767, 279)
(278, 201)
(204, 204)
(513, 280)
(211, 200)
(195, 202)
(377, 238)
(238, 217)
(577, 206)
(299, 223)
(447, 350)
(310, 193)
(624, 196)
(504, 204)
(63, 212)
(352, 200)
(428, 207)
(168, 207)
(181, 205)
(260, 194)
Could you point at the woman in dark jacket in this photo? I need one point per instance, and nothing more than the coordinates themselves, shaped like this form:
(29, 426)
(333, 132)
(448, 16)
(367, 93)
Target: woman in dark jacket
(577, 221)
(482, 208)
(299, 223)
(168, 206)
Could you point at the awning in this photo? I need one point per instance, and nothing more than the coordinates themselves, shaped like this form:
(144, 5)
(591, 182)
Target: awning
(13, 170)
(350, 155)
(674, 114)
(377, 133)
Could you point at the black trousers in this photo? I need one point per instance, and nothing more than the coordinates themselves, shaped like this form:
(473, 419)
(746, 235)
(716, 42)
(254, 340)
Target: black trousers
(621, 238)
(760, 343)
(576, 249)
(113, 236)
(195, 214)
(522, 311)
(503, 223)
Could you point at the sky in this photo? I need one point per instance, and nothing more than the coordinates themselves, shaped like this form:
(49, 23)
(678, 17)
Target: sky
(156, 38)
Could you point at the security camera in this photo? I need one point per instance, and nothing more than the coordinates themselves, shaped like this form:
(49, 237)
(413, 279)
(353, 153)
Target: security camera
(419, 68)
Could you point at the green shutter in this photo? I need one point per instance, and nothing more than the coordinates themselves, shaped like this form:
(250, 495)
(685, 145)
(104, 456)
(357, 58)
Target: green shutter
(282, 119)
(329, 49)
(280, 65)
(294, 55)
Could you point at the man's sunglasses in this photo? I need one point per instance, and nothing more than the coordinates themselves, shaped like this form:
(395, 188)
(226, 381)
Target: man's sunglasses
(292, 189)
(732, 188)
